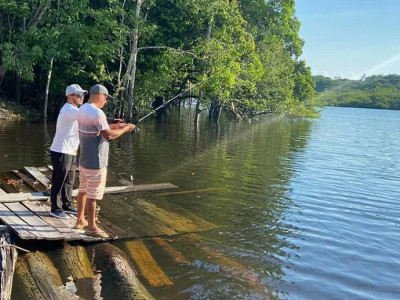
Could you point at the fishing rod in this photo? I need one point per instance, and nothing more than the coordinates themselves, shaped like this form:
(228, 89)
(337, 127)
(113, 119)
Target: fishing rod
(136, 130)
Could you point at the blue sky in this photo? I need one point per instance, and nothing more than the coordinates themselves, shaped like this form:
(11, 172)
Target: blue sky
(348, 38)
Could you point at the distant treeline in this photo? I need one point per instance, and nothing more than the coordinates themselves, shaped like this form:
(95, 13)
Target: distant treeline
(376, 91)
(241, 56)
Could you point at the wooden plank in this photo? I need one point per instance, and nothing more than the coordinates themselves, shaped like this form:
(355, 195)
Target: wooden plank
(44, 169)
(137, 188)
(175, 219)
(43, 211)
(39, 176)
(17, 197)
(176, 255)
(147, 264)
(29, 181)
(39, 227)
(128, 215)
(16, 224)
(201, 223)
(188, 192)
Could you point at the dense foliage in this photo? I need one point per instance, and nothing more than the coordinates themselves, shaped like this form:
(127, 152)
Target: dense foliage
(376, 91)
(236, 55)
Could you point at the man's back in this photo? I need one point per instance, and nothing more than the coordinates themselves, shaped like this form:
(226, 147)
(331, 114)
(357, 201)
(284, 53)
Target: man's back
(66, 139)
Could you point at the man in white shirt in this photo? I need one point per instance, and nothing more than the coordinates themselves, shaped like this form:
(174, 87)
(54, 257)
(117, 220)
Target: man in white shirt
(63, 152)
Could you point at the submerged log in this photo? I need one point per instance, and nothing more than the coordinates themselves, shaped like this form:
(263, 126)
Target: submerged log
(76, 266)
(8, 258)
(147, 264)
(75, 262)
(114, 263)
(40, 279)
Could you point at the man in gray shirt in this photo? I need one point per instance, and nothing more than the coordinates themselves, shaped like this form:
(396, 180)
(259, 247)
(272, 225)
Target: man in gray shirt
(94, 136)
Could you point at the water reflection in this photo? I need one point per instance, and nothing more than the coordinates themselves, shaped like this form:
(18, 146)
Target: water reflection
(237, 176)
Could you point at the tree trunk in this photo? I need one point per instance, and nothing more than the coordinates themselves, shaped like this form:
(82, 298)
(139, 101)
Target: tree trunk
(131, 69)
(196, 116)
(215, 111)
(46, 93)
(18, 84)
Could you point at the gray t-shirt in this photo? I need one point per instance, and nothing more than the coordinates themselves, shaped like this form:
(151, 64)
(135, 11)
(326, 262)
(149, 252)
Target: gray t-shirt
(94, 148)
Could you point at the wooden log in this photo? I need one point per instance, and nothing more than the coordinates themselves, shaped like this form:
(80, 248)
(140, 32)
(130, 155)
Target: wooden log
(8, 259)
(74, 265)
(147, 264)
(115, 264)
(40, 279)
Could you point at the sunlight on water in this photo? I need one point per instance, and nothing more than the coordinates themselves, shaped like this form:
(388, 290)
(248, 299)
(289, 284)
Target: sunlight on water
(305, 209)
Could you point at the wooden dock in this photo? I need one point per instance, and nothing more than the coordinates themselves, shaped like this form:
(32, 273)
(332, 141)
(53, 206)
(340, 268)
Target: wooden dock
(25, 208)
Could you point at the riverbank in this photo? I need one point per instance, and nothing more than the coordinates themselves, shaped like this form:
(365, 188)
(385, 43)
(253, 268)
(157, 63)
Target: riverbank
(11, 111)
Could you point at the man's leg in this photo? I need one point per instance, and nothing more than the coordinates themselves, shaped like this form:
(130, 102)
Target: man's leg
(81, 221)
(69, 182)
(57, 180)
(91, 214)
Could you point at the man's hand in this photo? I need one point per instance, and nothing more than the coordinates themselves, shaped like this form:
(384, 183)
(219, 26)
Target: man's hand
(129, 127)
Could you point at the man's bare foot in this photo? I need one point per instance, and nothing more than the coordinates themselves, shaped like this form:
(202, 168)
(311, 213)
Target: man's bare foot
(81, 224)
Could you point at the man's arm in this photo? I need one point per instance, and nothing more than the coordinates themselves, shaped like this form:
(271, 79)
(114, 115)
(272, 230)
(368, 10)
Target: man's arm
(116, 131)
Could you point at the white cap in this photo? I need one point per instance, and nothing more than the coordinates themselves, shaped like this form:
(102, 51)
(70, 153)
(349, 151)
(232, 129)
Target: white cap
(74, 89)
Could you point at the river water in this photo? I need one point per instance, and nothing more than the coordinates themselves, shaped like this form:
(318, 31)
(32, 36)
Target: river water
(306, 208)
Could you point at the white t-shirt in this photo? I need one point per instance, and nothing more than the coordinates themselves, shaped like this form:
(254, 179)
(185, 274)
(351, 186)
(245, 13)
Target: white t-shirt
(66, 139)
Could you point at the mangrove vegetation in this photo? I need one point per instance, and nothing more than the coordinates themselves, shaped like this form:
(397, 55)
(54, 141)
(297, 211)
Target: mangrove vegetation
(238, 56)
(376, 91)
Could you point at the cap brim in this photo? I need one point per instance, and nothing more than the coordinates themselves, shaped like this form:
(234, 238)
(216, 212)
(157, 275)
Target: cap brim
(110, 98)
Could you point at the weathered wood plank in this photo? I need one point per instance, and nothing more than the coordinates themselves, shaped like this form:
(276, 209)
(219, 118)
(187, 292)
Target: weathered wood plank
(188, 192)
(43, 211)
(137, 188)
(39, 176)
(8, 259)
(139, 224)
(200, 222)
(44, 169)
(176, 255)
(36, 185)
(147, 264)
(16, 224)
(17, 197)
(39, 227)
(176, 220)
